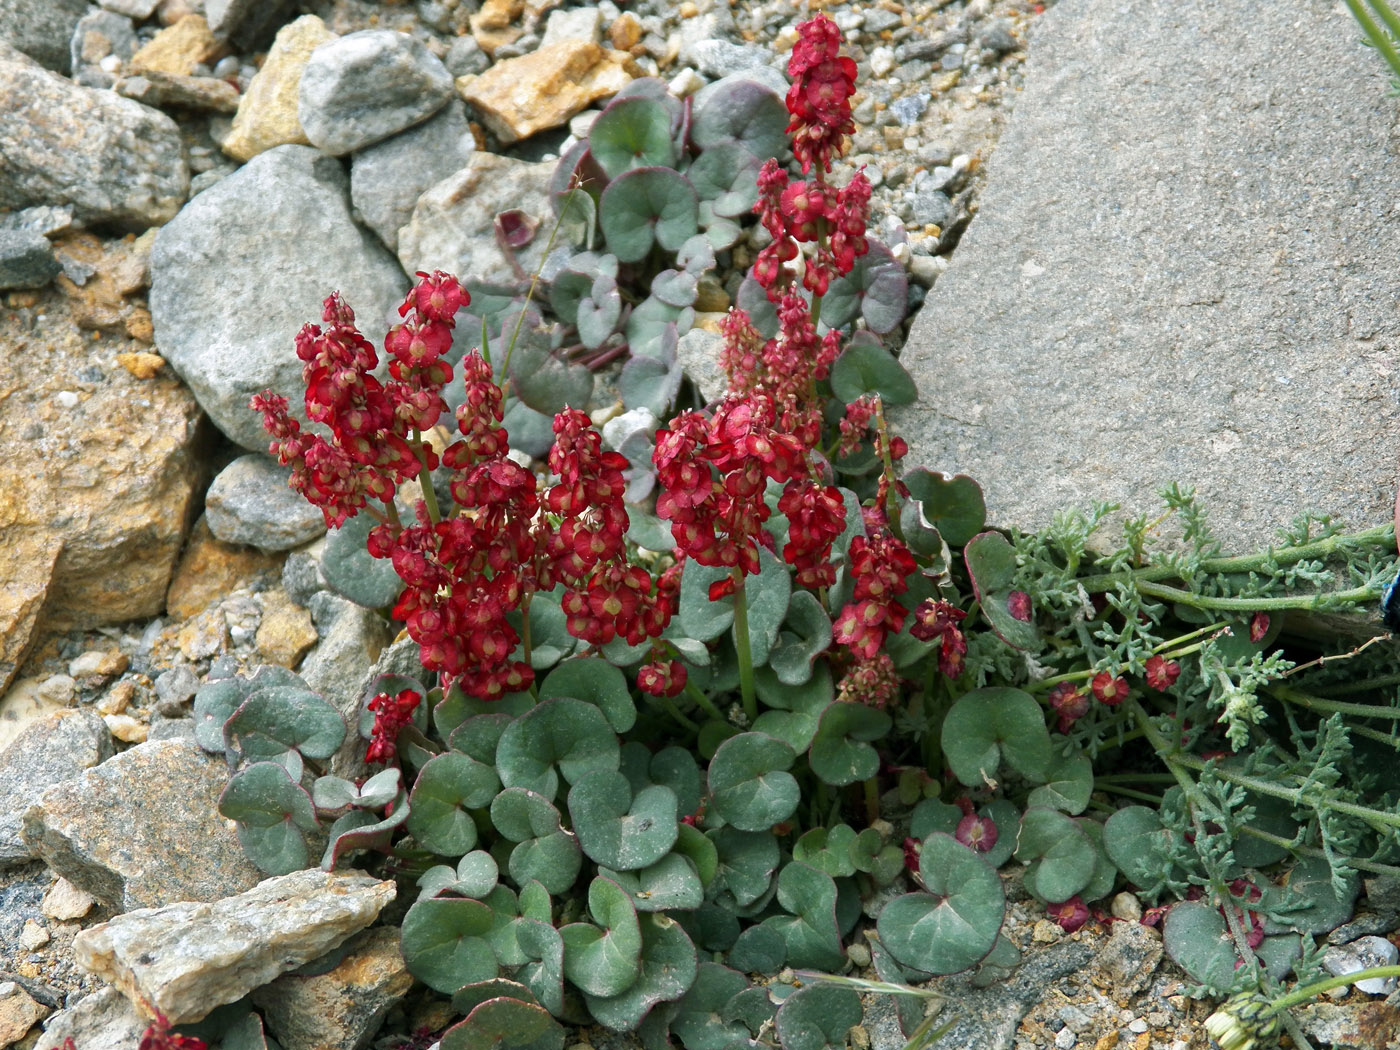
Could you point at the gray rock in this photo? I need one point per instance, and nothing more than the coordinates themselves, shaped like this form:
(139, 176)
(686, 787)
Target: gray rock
(171, 729)
(1126, 963)
(720, 58)
(48, 752)
(1363, 954)
(931, 47)
(189, 957)
(301, 576)
(387, 179)
(114, 160)
(143, 829)
(1203, 292)
(698, 352)
(41, 29)
(908, 109)
(103, 1018)
(43, 219)
(996, 36)
(176, 686)
(578, 23)
(232, 281)
(365, 86)
(99, 34)
(351, 639)
(343, 1008)
(465, 57)
(26, 260)
(930, 209)
(250, 503)
(248, 25)
(139, 10)
(1355, 1026)
(452, 227)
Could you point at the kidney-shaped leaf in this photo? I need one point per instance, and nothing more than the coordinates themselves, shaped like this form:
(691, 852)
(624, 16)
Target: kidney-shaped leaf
(617, 830)
(632, 133)
(445, 943)
(812, 936)
(503, 1023)
(604, 960)
(988, 726)
(866, 368)
(991, 562)
(353, 572)
(274, 815)
(668, 967)
(749, 783)
(1060, 854)
(818, 1015)
(563, 734)
(953, 505)
(285, 718)
(645, 207)
(594, 681)
(956, 923)
(740, 110)
(446, 788)
(841, 753)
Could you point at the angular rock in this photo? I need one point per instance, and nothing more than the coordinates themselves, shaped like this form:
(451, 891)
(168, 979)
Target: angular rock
(368, 85)
(342, 1008)
(142, 829)
(453, 224)
(1354, 1026)
(178, 49)
(105, 517)
(114, 160)
(285, 634)
(210, 569)
(233, 278)
(578, 23)
(1202, 292)
(103, 1018)
(250, 503)
(22, 600)
(179, 91)
(720, 58)
(1126, 963)
(19, 1012)
(247, 24)
(65, 902)
(387, 179)
(352, 638)
(99, 35)
(185, 959)
(519, 96)
(50, 751)
(41, 29)
(267, 112)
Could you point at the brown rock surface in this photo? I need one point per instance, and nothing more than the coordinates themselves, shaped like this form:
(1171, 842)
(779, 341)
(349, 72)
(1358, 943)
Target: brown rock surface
(520, 96)
(210, 568)
(98, 474)
(178, 49)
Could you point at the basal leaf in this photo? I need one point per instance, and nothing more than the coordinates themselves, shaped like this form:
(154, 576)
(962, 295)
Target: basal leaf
(993, 725)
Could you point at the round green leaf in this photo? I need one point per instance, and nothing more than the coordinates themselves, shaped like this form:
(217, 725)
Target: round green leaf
(726, 174)
(1327, 905)
(599, 312)
(546, 382)
(478, 736)
(818, 1015)
(360, 829)
(955, 924)
(505, 1024)
(675, 767)
(810, 932)
(759, 949)
(604, 960)
(668, 967)
(670, 883)
(214, 705)
(866, 368)
(693, 844)
(645, 207)
(594, 681)
(1061, 856)
(617, 830)
(544, 851)
(740, 110)
(991, 563)
(1138, 845)
(953, 505)
(841, 753)
(698, 1020)
(830, 850)
(749, 783)
(632, 133)
(444, 943)
(285, 718)
(805, 635)
(1069, 781)
(747, 860)
(570, 736)
(446, 788)
(543, 972)
(352, 572)
(273, 814)
(988, 726)
(1194, 934)
(876, 289)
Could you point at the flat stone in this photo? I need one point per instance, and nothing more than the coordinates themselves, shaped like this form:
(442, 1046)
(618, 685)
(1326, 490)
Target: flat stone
(342, 1008)
(232, 282)
(518, 97)
(42, 29)
(50, 751)
(267, 112)
(178, 49)
(250, 503)
(577, 23)
(1175, 274)
(387, 179)
(180, 92)
(186, 958)
(103, 1018)
(98, 477)
(366, 86)
(453, 223)
(143, 829)
(113, 160)
(209, 569)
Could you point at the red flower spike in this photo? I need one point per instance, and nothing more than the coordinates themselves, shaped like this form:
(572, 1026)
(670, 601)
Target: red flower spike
(1258, 627)
(1161, 674)
(873, 681)
(662, 678)
(1018, 604)
(1070, 915)
(1109, 689)
(391, 715)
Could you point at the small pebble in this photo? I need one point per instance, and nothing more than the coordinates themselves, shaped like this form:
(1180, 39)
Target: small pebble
(127, 729)
(1065, 1038)
(1127, 907)
(859, 955)
(98, 664)
(66, 902)
(68, 399)
(33, 936)
(117, 699)
(58, 689)
(1137, 1026)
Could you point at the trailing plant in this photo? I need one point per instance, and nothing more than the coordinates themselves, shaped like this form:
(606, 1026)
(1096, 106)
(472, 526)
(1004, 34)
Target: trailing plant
(649, 750)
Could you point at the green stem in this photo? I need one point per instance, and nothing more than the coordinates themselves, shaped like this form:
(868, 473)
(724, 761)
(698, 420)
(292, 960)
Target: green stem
(1374, 34)
(425, 477)
(1317, 703)
(1360, 685)
(703, 702)
(872, 799)
(1294, 601)
(1302, 995)
(741, 645)
(669, 706)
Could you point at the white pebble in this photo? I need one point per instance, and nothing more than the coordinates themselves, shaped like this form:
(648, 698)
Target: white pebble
(686, 83)
(1065, 1038)
(68, 399)
(1137, 1026)
(110, 63)
(882, 61)
(58, 688)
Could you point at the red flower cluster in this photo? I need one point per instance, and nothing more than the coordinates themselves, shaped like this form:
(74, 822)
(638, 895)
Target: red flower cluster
(157, 1036)
(1069, 703)
(880, 565)
(713, 474)
(1161, 674)
(794, 213)
(936, 618)
(606, 597)
(369, 453)
(873, 682)
(390, 715)
(816, 515)
(662, 678)
(819, 100)
(978, 834)
(1071, 914)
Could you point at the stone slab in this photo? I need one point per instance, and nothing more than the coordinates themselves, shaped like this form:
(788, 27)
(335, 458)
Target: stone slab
(1183, 269)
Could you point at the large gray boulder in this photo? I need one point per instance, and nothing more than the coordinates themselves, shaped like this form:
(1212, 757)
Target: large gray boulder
(1183, 269)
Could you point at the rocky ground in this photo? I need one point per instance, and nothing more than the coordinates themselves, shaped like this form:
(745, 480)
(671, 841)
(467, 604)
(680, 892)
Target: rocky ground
(128, 578)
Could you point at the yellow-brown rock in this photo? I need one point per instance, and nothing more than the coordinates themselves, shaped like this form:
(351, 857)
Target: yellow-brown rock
(141, 363)
(267, 112)
(285, 633)
(98, 475)
(178, 49)
(22, 591)
(520, 96)
(210, 569)
(495, 24)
